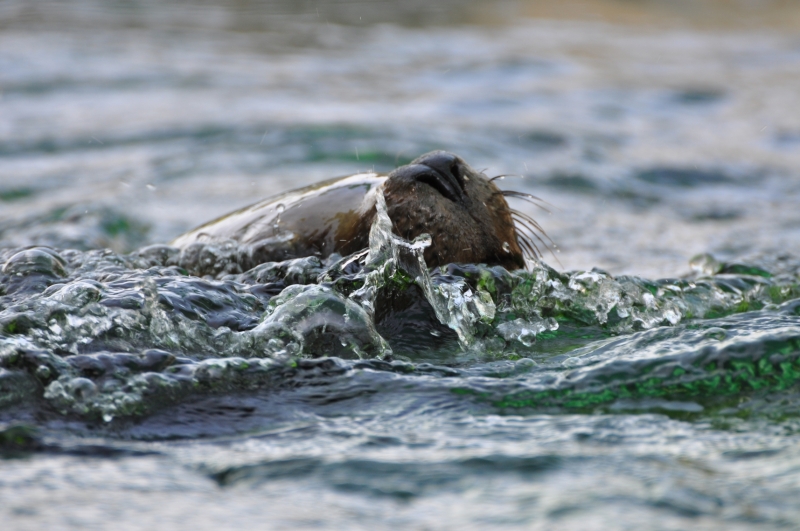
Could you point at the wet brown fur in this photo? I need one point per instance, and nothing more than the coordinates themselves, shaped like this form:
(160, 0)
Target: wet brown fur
(472, 230)
(477, 226)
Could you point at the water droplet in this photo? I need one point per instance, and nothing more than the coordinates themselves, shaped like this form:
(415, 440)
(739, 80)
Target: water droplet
(280, 207)
(506, 247)
(525, 363)
(527, 337)
(82, 388)
(422, 241)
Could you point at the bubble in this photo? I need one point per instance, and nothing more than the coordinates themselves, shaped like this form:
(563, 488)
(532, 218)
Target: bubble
(43, 372)
(275, 345)
(527, 337)
(38, 260)
(716, 333)
(82, 387)
(525, 331)
(524, 364)
(157, 254)
(705, 264)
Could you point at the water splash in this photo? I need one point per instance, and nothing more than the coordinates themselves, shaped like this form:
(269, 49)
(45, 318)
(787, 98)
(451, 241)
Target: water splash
(103, 335)
(456, 305)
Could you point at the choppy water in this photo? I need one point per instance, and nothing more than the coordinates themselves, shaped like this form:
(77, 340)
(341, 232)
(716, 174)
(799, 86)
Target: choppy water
(647, 378)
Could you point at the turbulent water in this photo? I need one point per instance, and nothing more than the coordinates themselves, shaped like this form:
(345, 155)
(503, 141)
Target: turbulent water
(645, 374)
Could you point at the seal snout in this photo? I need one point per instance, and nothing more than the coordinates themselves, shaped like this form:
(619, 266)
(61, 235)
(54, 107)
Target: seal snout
(442, 171)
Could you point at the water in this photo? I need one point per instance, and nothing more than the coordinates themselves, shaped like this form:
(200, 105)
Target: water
(644, 377)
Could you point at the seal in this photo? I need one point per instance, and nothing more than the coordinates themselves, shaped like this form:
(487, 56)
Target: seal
(463, 211)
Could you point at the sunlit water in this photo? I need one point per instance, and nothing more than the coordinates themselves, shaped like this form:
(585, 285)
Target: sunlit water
(647, 378)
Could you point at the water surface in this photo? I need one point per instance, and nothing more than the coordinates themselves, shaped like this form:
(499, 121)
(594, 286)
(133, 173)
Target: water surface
(647, 380)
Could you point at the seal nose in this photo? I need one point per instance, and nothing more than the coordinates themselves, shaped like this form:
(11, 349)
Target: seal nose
(442, 171)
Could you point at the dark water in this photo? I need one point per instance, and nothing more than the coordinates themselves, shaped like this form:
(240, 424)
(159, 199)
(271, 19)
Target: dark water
(644, 376)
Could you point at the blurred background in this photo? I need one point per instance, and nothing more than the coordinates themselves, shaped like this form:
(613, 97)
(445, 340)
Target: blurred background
(656, 130)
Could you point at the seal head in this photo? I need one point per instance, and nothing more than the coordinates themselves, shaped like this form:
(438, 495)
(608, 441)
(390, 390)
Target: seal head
(464, 212)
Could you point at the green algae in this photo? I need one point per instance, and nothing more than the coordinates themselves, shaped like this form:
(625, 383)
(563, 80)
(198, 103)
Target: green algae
(777, 369)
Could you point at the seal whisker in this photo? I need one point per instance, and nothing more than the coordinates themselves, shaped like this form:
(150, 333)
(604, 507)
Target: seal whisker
(532, 222)
(538, 238)
(534, 254)
(531, 233)
(530, 198)
(534, 229)
(501, 176)
(525, 235)
(521, 224)
(530, 248)
(535, 233)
